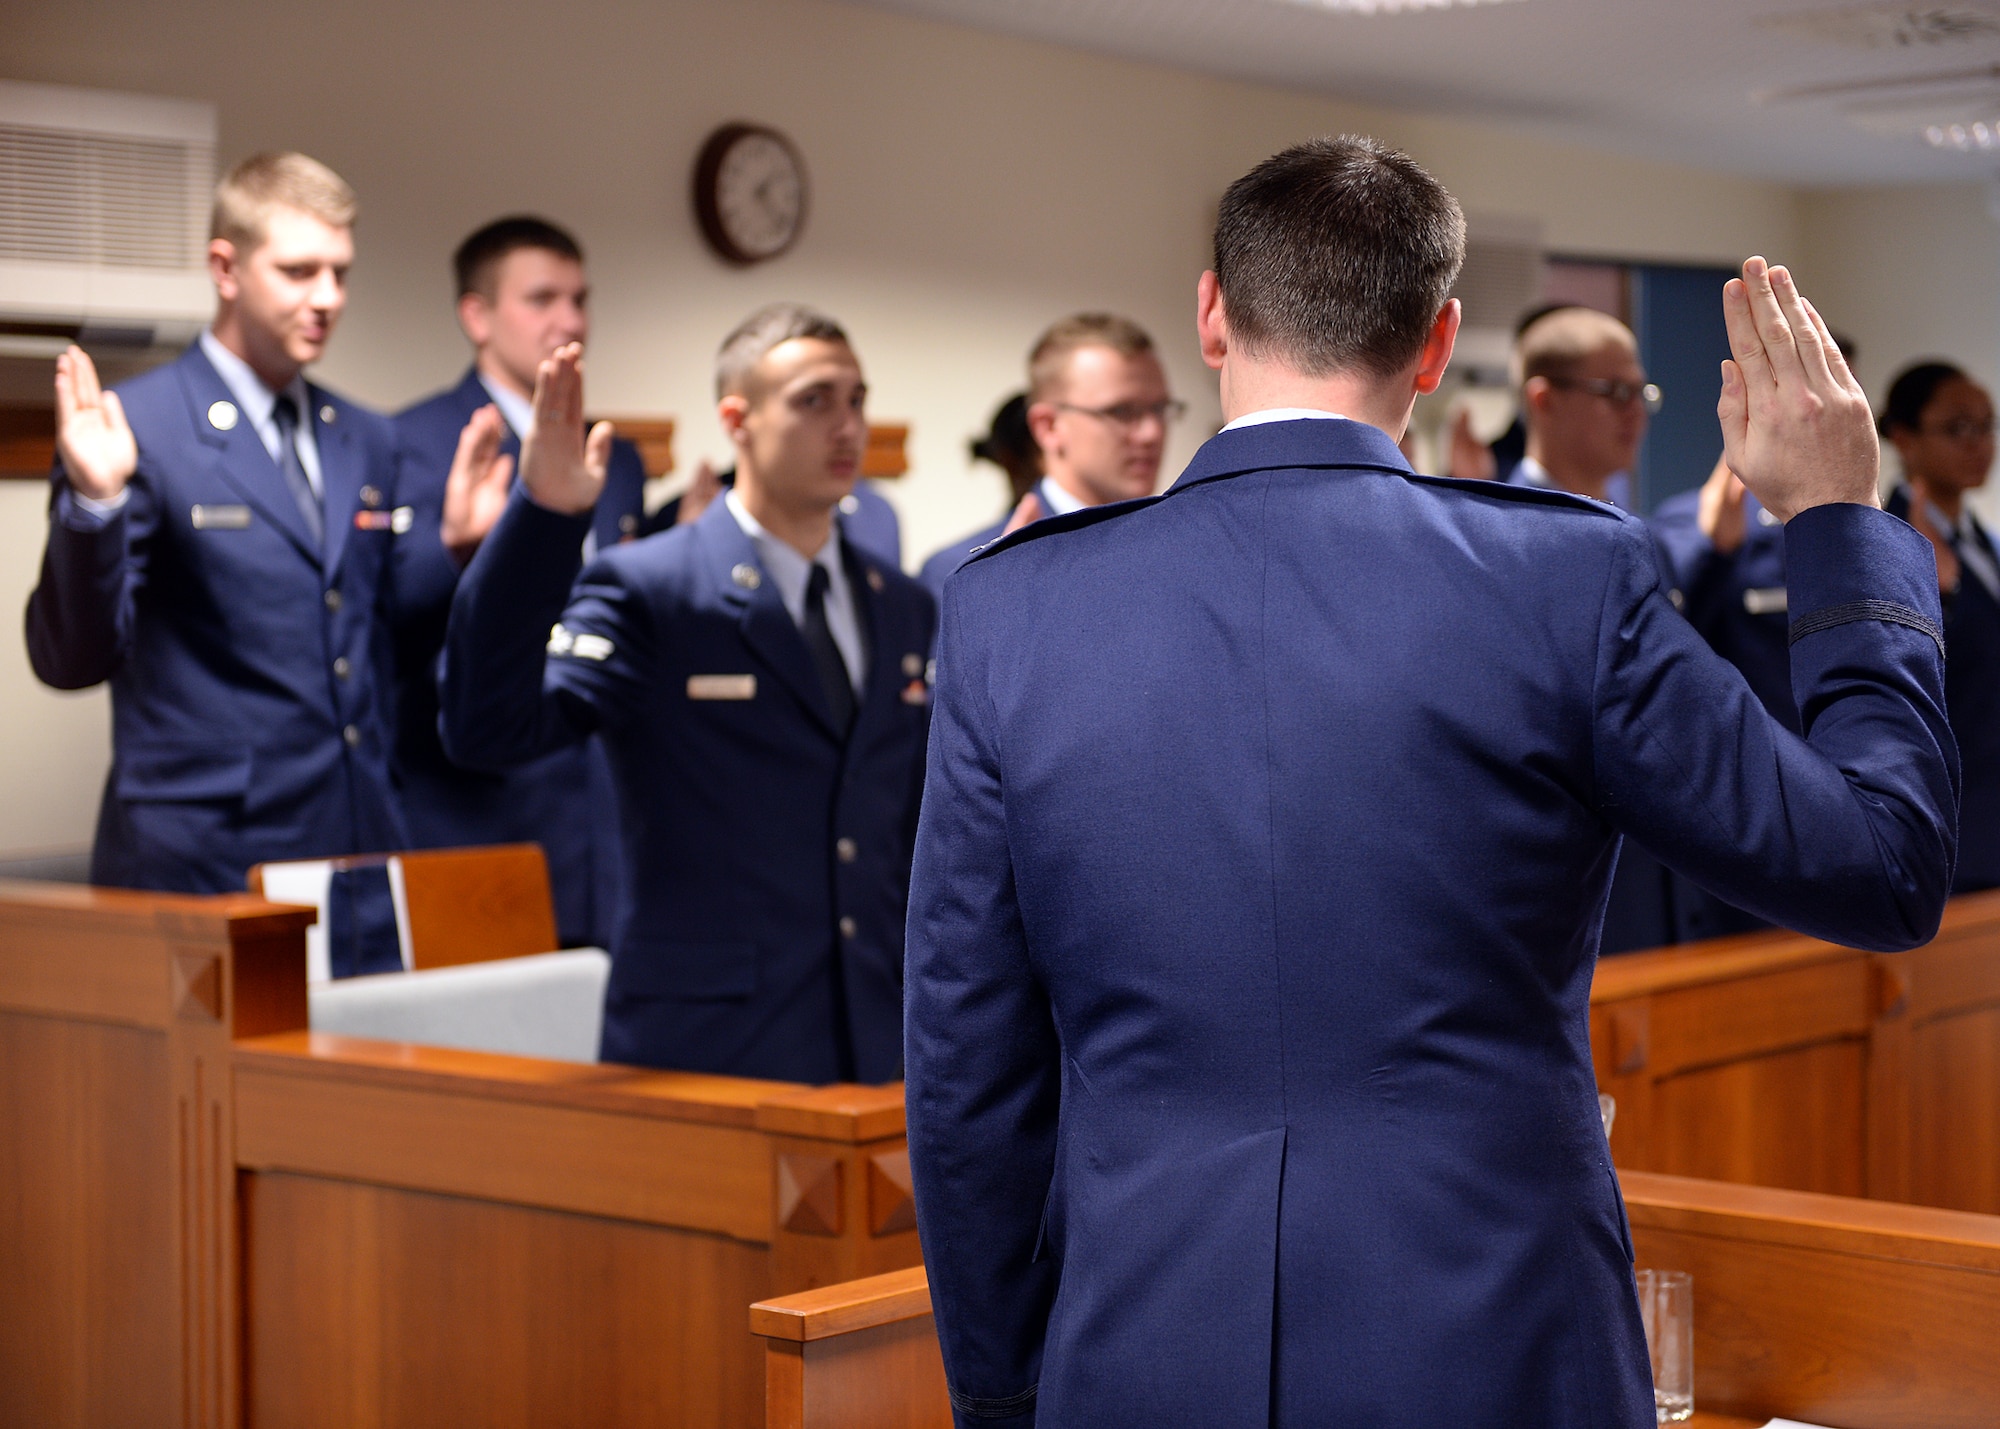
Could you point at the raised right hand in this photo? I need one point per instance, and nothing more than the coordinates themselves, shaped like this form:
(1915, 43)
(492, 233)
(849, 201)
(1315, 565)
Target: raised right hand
(475, 493)
(561, 467)
(99, 452)
(1795, 424)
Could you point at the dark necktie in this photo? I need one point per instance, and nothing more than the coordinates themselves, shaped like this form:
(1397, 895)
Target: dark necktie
(285, 413)
(833, 677)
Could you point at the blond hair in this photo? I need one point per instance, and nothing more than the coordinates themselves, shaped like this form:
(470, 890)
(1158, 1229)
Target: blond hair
(1553, 345)
(1048, 362)
(248, 193)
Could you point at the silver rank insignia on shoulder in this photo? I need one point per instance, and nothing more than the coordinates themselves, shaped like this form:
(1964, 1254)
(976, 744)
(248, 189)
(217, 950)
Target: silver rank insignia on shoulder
(582, 644)
(220, 518)
(222, 415)
(746, 575)
(913, 665)
(401, 519)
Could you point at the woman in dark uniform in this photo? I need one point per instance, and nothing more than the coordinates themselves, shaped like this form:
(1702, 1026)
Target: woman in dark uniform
(1941, 424)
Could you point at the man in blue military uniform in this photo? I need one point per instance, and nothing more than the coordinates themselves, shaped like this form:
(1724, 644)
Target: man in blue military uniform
(1099, 409)
(521, 295)
(1266, 835)
(219, 542)
(759, 683)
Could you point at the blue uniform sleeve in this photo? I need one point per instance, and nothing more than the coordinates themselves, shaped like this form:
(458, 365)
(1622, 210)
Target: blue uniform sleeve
(529, 664)
(1849, 833)
(80, 614)
(982, 1066)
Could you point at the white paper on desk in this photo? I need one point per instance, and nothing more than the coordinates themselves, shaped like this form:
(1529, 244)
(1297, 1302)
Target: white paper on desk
(1792, 1424)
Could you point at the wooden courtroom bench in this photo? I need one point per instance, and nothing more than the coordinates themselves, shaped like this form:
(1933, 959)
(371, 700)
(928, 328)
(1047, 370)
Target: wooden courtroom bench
(210, 1216)
(1823, 1309)
(1779, 1060)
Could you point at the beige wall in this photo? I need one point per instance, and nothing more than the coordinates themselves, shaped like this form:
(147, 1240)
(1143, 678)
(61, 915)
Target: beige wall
(966, 190)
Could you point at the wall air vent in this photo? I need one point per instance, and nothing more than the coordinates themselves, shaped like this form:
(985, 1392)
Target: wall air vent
(103, 211)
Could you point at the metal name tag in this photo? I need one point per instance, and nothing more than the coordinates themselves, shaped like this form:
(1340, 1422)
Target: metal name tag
(722, 687)
(220, 518)
(1766, 600)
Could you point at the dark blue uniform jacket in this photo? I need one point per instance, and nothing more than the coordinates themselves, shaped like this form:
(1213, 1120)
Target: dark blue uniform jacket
(769, 859)
(246, 695)
(562, 801)
(1972, 688)
(1266, 834)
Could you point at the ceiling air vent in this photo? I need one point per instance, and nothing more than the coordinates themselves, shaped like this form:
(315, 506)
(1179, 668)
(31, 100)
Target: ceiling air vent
(1888, 24)
(103, 211)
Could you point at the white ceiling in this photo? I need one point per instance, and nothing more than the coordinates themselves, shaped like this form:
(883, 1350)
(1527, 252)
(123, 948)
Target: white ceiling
(1678, 80)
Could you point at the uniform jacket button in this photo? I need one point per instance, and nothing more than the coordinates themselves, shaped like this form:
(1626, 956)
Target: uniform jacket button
(333, 600)
(352, 735)
(340, 667)
(847, 927)
(846, 850)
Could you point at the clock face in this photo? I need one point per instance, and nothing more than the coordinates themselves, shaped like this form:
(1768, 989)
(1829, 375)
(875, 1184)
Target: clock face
(750, 192)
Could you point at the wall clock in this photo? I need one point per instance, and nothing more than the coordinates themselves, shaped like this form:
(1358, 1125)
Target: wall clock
(750, 192)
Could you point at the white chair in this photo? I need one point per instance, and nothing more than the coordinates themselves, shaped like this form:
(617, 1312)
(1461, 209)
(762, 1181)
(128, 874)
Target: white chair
(545, 1005)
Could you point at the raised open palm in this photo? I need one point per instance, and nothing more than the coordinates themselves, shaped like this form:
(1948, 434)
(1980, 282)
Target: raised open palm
(562, 469)
(99, 452)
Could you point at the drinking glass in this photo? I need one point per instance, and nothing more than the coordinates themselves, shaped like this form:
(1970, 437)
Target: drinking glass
(1666, 1306)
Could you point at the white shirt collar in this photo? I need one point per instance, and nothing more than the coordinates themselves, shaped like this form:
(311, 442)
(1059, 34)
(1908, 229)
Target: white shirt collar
(1284, 414)
(791, 571)
(1057, 497)
(252, 396)
(517, 410)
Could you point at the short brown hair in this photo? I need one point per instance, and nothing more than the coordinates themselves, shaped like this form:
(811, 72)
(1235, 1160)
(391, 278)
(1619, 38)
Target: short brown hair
(1553, 344)
(1048, 361)
(763, 330)
(1337, 255)
(476, 265)
(263, 182)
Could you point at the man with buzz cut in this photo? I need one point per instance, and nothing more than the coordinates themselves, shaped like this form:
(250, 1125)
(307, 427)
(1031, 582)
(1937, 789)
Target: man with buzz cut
(219, 543)
(1099, 409)
(759, 683)
(521, 295)
(1266, 834)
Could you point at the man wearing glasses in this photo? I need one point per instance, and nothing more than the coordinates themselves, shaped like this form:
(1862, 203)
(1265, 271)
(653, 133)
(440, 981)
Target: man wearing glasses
(1584, 401)
(1099, 408)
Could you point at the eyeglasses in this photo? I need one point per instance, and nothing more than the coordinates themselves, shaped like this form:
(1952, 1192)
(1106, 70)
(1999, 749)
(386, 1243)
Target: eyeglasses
(1964, 429)
(1131, 414)
(1612, 390)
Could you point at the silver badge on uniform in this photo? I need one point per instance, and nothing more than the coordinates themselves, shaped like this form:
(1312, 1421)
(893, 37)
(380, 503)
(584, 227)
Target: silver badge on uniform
(370, 496)
(746, 575)
(220, 518)
(222, 415)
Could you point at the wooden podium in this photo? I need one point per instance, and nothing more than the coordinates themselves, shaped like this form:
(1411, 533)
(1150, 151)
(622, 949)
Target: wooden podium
(209, 1215)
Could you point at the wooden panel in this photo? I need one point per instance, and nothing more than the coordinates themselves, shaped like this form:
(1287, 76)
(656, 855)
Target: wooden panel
(1955, 1111)
(1790, 1119)
(883, 457)
(653, 436)
(27, 441)
(1832, 1311)
(842, 1380)
(399, 1310)
(1730, 1020)
(474, 905)
(88, 1302)
(599, 1162)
